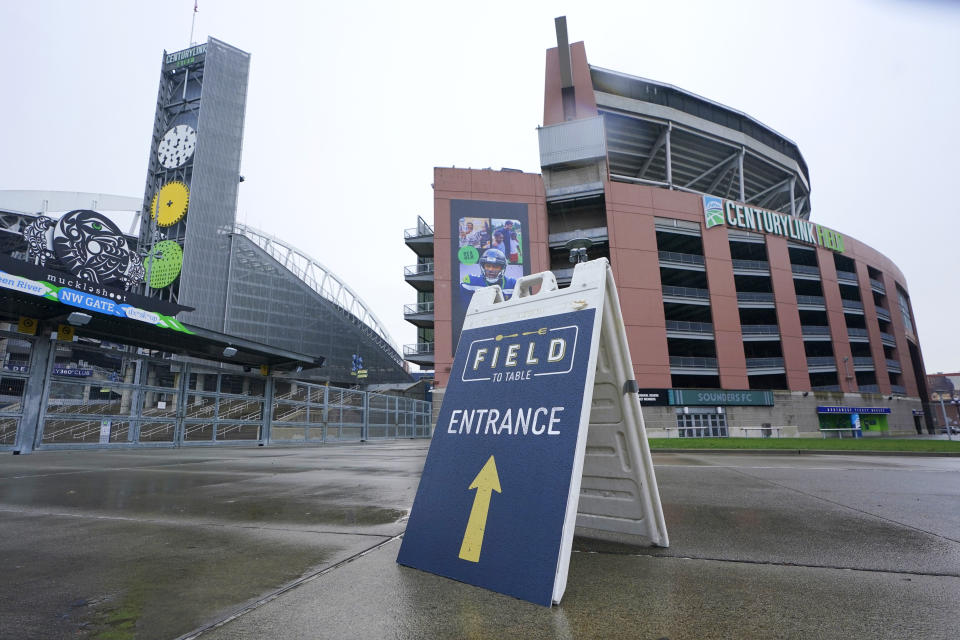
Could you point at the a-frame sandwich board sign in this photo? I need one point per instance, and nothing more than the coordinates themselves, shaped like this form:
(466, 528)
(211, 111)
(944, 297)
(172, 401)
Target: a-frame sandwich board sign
(540, 416)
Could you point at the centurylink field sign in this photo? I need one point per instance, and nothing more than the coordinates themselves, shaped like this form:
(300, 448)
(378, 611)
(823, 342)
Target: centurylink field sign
(718, 211)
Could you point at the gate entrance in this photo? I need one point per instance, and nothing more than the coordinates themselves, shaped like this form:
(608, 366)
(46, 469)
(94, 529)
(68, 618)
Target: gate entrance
(88, 394)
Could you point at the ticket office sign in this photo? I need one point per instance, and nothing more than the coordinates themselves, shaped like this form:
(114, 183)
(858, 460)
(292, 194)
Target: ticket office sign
(493, 496)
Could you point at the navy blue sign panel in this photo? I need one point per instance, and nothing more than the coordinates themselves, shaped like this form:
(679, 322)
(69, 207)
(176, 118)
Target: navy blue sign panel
(493, 495)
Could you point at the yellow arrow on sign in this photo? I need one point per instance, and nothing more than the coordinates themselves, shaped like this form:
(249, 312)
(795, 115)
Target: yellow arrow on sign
(486, 482)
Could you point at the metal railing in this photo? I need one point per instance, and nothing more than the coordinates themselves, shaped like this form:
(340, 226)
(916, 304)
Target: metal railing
(691, 327)
(682, 258)
(883, 314)
(898, 389)
(826, 387)
(422, 269)
(853, 304)
(894, 365)
(888, 338)
(814, 330)
(417, 308)
(687, 362)
(685, 292)
(754, 296)
(206, 407)
(764, 363)
(878, 286)
(752, 265)
(857, 332)
(817, 301)
(863, 361)
(760, 329)
(418, 349)
(805, 268)
(869, 388)
(822, 361)
(422, 229)
(847, 276)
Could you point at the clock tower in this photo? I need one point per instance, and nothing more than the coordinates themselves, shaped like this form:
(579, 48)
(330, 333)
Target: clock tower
(190, 200)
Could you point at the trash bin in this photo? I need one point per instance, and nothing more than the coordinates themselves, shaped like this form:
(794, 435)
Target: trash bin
(767, 431)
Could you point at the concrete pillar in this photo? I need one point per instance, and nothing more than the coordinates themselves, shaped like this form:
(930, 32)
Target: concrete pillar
(175, 395)
(127, 393)
(267, 411)
(41, 366)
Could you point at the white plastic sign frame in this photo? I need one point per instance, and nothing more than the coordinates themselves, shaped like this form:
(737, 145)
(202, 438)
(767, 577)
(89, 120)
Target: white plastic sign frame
(549, 379)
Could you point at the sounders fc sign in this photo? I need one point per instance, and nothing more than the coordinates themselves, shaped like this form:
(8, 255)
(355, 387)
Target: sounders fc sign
(717, 211)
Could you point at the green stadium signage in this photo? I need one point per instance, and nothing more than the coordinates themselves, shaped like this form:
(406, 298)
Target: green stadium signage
(720, 397)
(184, 57)
(718, 211)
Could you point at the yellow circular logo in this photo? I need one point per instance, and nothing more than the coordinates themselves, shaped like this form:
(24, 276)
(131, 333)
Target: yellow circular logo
(170, 203)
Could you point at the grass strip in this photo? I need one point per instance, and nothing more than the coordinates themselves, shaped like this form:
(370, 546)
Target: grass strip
(810, 444)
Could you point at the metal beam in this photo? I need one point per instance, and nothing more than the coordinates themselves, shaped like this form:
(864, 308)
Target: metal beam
(715, 167)
(661, 139)
(793, 204)
(563, 48)
(669, 157)
(720, 176)
(743, 192)
(769, 198)
(778, 185)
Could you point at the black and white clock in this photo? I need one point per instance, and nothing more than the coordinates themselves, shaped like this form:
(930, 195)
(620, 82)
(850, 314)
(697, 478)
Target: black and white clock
(177, 146)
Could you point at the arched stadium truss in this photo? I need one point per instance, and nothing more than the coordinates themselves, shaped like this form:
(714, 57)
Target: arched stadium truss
(324, 282)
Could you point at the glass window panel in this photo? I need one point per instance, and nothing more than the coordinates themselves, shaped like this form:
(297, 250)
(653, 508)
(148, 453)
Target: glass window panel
(234, 409)
(15, 353)
(286, 390)
(8, 430)
(162, 374)
(345, 433)
(202, 381)
(198, 432)
(238, 432)
(201, 406)
(157, 431)
(96, 431)
(11, 391)
(351, 416)
(289, 412)
(316, 394)
(281, 433)
(241, 385)
(91, 398)
(158, 404)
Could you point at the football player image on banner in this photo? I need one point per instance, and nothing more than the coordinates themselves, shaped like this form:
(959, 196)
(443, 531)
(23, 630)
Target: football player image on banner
(488, 248)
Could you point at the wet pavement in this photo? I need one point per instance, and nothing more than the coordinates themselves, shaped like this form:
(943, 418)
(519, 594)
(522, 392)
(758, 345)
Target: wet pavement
(302, 542)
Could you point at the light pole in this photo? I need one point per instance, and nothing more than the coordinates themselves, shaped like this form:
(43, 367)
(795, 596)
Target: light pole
(946, 421)
(955, 401)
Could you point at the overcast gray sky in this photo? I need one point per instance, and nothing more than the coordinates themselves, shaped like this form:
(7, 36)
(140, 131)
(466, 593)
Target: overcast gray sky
(352, 104)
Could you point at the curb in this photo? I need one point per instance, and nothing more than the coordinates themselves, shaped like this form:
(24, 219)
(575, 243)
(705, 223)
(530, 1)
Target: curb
(807, 452)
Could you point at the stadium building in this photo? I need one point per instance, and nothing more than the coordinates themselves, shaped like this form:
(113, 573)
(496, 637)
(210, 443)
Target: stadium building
(745, 314)
(162, 321)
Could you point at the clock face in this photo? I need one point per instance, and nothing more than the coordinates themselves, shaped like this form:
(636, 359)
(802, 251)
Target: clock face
(177, 146)
(170, 203)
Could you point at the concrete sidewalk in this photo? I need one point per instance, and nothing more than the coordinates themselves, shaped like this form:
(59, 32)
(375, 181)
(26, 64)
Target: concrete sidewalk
(302, 542)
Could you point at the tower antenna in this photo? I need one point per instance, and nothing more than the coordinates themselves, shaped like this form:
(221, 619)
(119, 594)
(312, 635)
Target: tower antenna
(193, 21)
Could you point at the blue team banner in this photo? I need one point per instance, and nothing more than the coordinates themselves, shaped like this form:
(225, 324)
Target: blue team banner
(853, 409)
(493, 495)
